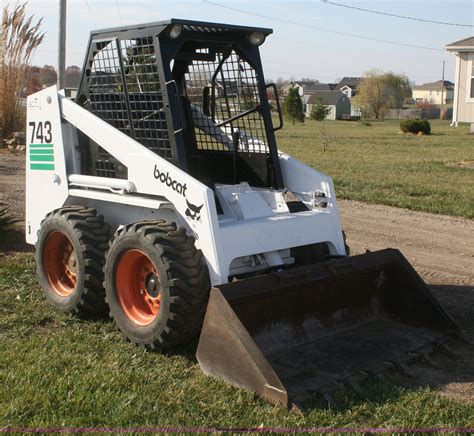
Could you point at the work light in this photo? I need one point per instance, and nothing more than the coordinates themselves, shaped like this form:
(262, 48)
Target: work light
(176, 31)
(257, 38)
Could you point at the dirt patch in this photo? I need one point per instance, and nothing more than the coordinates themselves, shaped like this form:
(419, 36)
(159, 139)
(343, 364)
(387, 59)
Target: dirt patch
(441, 248)
(467, 165)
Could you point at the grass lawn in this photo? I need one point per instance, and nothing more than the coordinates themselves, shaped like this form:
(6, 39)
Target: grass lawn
(56, 370)
(377, 164)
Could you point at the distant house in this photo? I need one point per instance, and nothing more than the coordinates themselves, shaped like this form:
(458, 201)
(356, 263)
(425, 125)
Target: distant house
(337, 101)
(349, 86)
(306, 87)
(463, 104)
(432, 92)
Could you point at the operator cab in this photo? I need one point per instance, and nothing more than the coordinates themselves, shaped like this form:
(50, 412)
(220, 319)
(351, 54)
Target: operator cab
(192, 92)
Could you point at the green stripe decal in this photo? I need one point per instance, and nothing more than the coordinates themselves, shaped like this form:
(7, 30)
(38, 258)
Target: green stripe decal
(39, 158)
(37, 166)
(41, 145)
(38, 151)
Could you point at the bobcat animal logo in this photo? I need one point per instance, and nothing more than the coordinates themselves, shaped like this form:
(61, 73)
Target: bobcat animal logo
(193, 211)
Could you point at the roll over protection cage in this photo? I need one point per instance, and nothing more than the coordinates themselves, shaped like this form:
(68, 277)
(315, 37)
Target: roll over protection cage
(140, 80)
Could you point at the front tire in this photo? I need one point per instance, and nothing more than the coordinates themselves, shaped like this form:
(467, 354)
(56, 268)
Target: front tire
(157, 284)
(70, 254)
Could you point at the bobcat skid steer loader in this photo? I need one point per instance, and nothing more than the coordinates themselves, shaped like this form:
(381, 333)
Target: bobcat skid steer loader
(159, 194)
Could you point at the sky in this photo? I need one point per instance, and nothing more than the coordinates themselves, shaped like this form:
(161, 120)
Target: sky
(303, 43)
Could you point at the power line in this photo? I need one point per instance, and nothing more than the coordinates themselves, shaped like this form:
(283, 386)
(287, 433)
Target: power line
(55, 52)
(118, 10)
(311, 76)
(90, 12)
(445, 23)
(352, 35)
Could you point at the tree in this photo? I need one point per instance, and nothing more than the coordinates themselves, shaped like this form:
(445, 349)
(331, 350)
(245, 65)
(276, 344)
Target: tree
(19, 39)
(380, 91)
(72, 76)
(294, 106)
(48, 75)
(320, 109)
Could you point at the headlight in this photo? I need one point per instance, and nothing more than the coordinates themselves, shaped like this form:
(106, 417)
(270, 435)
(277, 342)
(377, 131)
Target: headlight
(320, 199)
(176, 31)
(257, 38)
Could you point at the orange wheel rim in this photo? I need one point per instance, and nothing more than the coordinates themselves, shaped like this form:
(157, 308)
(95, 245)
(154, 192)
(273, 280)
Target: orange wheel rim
(60, 263)
(138, 287)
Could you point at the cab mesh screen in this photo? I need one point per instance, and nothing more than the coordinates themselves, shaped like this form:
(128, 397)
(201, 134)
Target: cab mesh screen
(125, 91)
(236, 90)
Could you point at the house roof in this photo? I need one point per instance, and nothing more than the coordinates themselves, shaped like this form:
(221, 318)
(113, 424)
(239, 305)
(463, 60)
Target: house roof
(309, 87)
(351, 82)
(432, 86)
(466, 44)
(319, 87)
(330, 97)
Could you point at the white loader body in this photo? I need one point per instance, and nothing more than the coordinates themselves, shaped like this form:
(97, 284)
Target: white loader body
(255, 230)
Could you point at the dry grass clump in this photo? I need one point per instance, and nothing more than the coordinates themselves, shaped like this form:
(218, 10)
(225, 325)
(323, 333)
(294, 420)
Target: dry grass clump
(6, 221)
(19, 39)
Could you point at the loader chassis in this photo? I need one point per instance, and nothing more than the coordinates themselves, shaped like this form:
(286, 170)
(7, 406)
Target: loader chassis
(159, 195)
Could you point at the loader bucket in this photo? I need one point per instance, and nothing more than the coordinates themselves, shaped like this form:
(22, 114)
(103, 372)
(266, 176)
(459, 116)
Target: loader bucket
(294, 334)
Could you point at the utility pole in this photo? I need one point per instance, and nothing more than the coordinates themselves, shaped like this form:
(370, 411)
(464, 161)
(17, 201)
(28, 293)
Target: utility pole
(442, 95)
(62, 44)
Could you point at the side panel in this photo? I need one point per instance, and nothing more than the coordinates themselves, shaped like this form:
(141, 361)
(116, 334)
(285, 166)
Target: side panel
(46, 180)
(304, 180)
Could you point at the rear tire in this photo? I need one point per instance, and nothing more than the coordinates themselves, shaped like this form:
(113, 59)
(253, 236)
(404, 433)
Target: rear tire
(70, 254)
(157, 284)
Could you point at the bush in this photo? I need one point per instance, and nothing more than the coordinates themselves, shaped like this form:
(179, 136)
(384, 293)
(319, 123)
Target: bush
(320, 110)
(6, 222)
(415, 126)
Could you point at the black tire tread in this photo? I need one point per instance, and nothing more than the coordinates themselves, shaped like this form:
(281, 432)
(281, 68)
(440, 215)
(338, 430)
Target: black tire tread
(188, 280)
(93, 233)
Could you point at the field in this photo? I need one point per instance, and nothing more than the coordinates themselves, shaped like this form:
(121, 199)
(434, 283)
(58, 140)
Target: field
(57, 370)
(377, 164)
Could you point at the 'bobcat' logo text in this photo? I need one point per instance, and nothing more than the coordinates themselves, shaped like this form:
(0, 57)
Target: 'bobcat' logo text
(192, 211)
(168, 181)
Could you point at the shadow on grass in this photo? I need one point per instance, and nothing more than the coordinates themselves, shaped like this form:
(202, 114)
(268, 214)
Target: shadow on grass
(14, 242)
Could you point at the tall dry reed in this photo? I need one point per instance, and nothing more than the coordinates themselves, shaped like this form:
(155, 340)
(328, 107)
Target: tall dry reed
(19, 39)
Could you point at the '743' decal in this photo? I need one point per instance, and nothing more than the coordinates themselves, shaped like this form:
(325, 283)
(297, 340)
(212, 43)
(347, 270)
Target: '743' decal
(41, 132)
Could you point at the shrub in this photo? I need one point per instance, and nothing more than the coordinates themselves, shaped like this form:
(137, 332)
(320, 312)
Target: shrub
(20, 37)
(6, 222)
(415, 126)
(425, 105)
(320, 110)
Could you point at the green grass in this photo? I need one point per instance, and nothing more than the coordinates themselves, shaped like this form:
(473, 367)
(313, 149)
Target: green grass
(57, 370)
(377, 164)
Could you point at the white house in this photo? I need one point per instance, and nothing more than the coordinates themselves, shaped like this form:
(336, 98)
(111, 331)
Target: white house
(433, 92)
(337, 101)
(463, 104)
